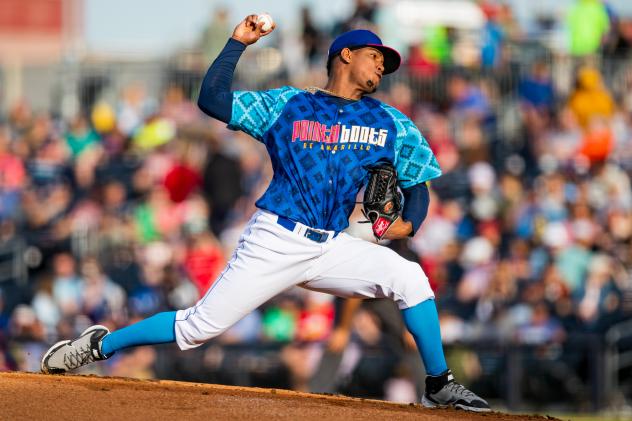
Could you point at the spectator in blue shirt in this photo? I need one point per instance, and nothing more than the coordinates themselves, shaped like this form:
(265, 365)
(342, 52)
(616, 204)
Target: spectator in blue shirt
(536, 89)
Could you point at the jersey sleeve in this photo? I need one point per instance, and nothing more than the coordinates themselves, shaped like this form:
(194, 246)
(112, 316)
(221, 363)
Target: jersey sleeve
(254, 112)
(414, 160)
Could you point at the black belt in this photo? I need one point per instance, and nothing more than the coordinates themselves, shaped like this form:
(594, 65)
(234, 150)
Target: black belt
(310, 233)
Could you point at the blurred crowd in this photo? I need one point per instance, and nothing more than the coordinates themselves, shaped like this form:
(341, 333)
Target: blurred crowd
(134, 207)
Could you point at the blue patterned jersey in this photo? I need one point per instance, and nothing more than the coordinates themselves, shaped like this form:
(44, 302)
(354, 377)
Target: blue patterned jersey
(320, 150)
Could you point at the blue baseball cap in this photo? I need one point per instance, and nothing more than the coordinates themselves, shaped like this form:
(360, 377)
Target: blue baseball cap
(363, 38)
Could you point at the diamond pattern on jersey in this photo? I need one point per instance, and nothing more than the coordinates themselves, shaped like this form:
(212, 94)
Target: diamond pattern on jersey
(414, 160)
(255, 112)
(368, 119)
(406, 151)
(307, 163)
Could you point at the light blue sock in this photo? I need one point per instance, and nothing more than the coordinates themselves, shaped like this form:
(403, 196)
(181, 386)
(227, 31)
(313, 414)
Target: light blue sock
(422, 321)
(157, 329)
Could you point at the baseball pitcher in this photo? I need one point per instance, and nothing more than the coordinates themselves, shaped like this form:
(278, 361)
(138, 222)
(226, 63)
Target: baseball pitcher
(325, 144)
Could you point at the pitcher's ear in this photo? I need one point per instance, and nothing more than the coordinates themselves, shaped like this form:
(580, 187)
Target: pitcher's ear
(345, 55)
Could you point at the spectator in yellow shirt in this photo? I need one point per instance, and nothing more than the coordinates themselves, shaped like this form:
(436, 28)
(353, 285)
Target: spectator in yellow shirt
(590, 98)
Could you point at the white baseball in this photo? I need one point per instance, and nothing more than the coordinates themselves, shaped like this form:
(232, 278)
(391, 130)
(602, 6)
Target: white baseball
(267, 21)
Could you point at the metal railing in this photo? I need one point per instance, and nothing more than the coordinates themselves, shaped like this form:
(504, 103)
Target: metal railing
(618, 362)
(13, 266)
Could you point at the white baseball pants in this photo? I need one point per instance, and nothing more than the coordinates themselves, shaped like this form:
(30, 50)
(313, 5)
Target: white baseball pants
(270, 259)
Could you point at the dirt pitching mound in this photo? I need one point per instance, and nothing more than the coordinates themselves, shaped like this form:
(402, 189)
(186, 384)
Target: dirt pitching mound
(37, 396)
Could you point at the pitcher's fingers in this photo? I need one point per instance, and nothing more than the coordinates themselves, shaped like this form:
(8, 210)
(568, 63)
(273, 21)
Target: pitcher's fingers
(251, 21)
(258, 30)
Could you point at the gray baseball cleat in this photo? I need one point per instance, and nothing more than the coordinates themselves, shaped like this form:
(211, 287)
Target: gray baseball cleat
(68, 355)
(442, 392)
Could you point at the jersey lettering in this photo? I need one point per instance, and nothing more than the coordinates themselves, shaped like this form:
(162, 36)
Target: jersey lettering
(314, 131)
